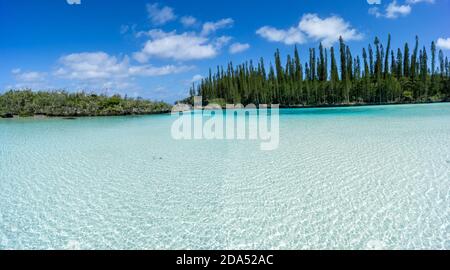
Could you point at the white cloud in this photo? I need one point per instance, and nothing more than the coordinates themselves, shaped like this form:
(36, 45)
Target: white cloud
(185, 46)
(291, 36)
(328, 30)
(211, 27)
(100, 65)
(180, 47)
(443, 43)
(374, 2)
(74, 2)
(312, 27)
(160, 15)
(29, 79)
(375, 11)
(95, 65)
(188, 21)
(394, 10)
(196, 78)
(151, 71)
(124, 29)
(221, 41)
(101, 70)
(30, 76)
(94, 71)
(238, 47)
(16, 71)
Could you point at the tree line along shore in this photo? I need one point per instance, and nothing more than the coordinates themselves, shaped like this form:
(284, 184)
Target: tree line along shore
(25, 103)
(334, 77)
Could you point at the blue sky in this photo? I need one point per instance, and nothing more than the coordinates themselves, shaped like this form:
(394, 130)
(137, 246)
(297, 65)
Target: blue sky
(157, 49)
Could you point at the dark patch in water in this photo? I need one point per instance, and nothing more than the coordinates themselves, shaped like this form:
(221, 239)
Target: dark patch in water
(69, 118)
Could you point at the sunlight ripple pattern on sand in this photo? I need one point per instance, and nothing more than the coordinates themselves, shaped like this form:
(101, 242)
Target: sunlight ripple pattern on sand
(345, 178)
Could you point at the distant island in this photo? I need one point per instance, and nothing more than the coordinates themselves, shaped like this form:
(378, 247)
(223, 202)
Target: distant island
(333, 78)
(25, 103)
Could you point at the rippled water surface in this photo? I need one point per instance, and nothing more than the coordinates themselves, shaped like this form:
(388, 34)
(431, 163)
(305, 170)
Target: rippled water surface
(347, 178)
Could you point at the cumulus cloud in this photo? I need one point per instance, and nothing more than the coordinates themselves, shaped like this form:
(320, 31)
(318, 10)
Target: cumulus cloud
(152, 71)
(374, 2)
(160, 15)
(95, 65)
(180, 47)
(16, 71)
(312, 27)
(74, 2)
(188, 21)
(443, 43)
(290, 36)
(328, 30)
(100, 65)
(29, 79)
(395, 10)
(238, 47)
(196, 78)
(211, 27)
(221, 41)
(375, 11)
(184, 46)
(30, 76)
(101, 70)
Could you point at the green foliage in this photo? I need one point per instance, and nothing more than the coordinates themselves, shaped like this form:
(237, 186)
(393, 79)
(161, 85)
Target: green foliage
(408, 95)
(29, 103)
(380, 76)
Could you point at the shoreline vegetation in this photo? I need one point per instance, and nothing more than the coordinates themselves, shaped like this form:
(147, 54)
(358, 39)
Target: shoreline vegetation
(333, 77)
(26, 103)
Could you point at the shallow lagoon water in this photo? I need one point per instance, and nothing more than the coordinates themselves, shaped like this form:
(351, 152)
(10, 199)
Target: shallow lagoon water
(343, 178)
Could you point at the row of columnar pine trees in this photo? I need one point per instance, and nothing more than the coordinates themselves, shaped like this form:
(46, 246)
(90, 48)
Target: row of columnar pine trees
(334, 76)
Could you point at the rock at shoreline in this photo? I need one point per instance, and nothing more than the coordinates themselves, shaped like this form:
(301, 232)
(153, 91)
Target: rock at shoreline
(7, 115)
(181, 108)
(213, 107)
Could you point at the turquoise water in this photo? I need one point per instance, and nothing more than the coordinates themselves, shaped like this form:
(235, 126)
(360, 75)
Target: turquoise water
(346, 178)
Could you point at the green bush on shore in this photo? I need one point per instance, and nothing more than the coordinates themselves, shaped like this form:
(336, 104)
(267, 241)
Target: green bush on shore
(61, 103)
